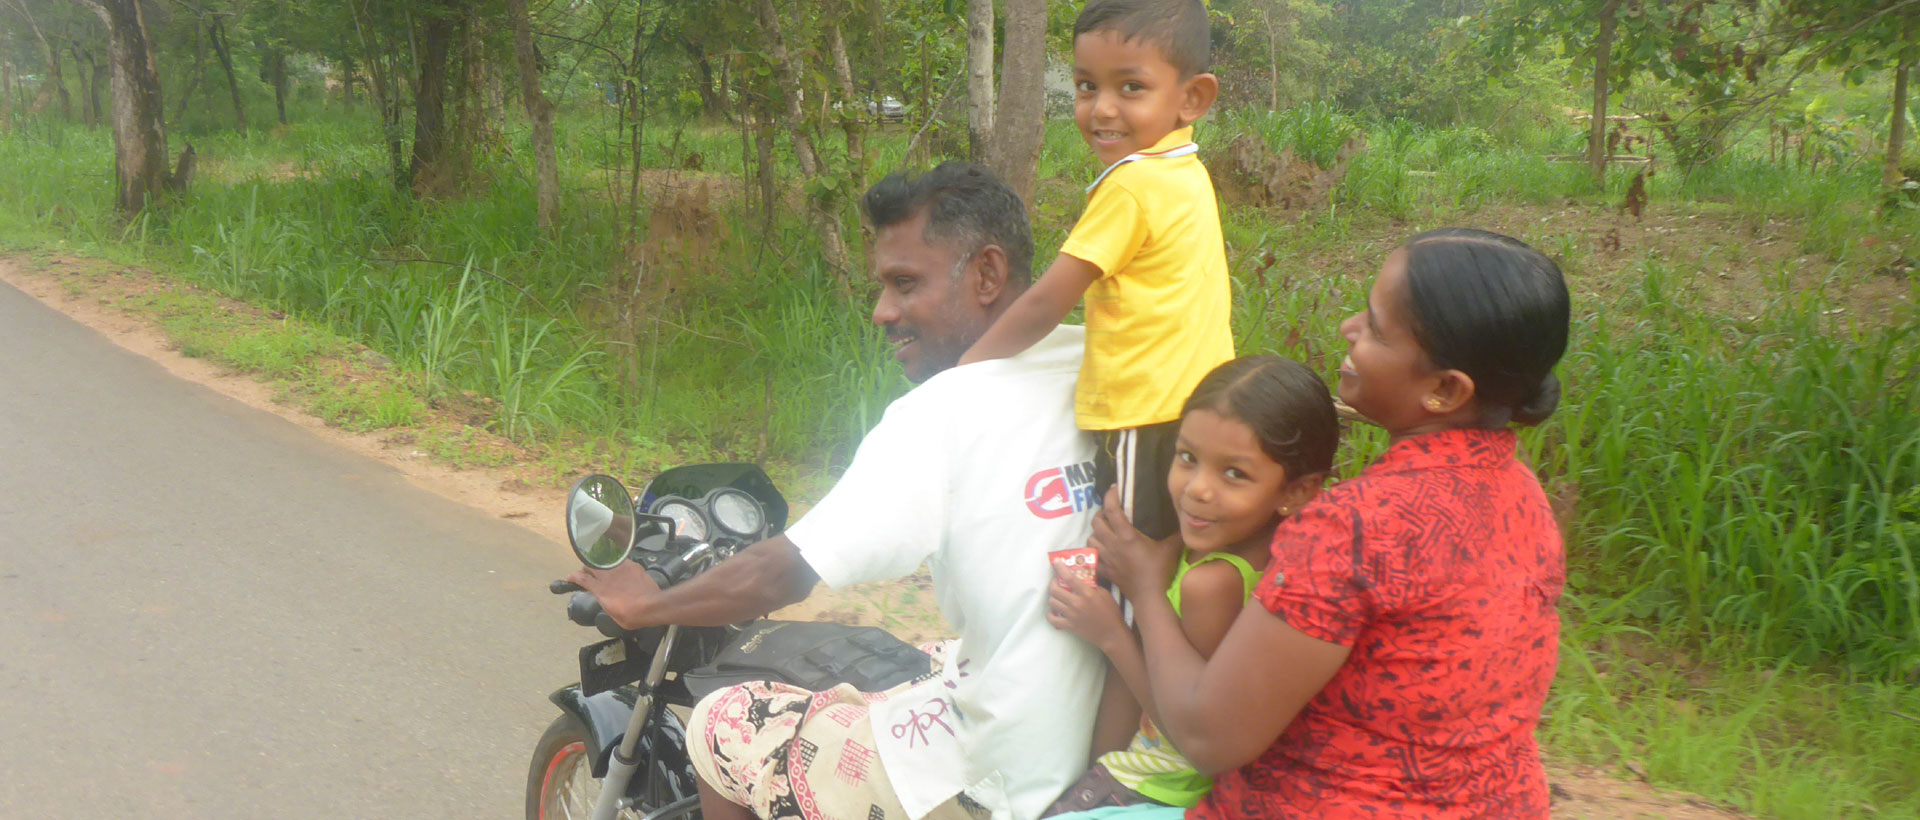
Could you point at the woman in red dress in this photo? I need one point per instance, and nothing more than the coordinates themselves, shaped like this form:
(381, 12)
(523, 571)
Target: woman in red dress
(1408, 629)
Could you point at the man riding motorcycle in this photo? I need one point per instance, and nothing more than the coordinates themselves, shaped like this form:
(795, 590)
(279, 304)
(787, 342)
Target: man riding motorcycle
(978, 472)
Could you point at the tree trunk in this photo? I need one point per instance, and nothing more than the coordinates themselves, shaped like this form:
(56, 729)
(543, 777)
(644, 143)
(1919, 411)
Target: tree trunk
(1273, 62)
(633, 114)
(853, 111)
(1890, 173)
(6, 97)
(52, 82)
(833, 247)
(877, 22)
(479, 101)
(139, 134)
(60, 86)
(429, 110)
(277, 75)
(1597, 153)
(193, 77)
(1019, 120)
(348, 73)
(384, 94)
(223, 48)
(546, 172)
(102, 78)
(763, 166)
(711, 102)
(979, 79)
(89, 75)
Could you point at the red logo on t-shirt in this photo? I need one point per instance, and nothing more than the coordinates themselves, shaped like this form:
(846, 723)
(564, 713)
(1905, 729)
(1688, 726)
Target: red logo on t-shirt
(1058, 491)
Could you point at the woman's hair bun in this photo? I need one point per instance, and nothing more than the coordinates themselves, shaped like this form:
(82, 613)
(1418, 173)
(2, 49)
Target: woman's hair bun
(1495, 309)
(1539, 406)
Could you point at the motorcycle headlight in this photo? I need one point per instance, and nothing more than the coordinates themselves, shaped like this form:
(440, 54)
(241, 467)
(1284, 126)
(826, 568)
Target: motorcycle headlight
(687, 521)
(736, 512)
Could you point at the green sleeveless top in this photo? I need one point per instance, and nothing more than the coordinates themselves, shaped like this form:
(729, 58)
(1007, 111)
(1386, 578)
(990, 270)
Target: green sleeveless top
(1150, 765)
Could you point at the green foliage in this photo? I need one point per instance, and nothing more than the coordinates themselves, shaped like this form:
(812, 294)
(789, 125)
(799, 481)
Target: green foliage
(1314, 132)
(1764, 493)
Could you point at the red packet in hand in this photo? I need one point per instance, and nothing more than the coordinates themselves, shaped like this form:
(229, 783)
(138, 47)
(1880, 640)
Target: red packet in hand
(1078, 564)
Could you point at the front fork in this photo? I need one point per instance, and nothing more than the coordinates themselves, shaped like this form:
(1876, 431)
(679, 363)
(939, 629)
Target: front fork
(626, 760)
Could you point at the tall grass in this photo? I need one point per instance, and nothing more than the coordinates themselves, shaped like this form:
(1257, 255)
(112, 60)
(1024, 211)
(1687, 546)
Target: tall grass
(1314, 131)
(1760, 490)
(467, 292)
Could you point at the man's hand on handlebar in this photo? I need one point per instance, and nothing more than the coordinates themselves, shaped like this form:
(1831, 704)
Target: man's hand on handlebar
(622, 591)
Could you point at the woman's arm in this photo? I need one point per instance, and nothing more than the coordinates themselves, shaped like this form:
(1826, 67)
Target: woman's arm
(1223, 711)
(1210, 595)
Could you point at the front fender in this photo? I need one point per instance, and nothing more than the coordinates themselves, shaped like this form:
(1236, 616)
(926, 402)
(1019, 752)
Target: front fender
(606, 716)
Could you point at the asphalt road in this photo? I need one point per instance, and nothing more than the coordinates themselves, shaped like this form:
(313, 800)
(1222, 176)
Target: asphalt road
(207, 612)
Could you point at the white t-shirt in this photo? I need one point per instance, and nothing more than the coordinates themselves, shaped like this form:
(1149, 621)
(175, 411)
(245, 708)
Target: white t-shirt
(979, 472)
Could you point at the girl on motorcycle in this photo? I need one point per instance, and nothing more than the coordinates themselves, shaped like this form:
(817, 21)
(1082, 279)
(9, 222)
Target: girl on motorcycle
(1407, 629)
(1256, 442)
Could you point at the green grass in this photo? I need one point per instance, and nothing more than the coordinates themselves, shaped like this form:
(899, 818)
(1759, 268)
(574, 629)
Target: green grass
(1779, 740)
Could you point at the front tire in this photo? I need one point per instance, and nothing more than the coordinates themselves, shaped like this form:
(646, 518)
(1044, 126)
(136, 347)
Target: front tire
(560, 781)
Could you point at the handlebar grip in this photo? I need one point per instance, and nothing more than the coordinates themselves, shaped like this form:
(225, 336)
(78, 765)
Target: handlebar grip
(668, 572)
(562, 587)
(584, 609)
(660, 579)
(604, 622)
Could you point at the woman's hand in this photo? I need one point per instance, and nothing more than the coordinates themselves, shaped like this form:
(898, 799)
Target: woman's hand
(1138, 565)
(1087, 611)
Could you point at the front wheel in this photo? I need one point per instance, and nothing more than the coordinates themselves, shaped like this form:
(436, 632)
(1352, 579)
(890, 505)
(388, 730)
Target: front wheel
(560, 781)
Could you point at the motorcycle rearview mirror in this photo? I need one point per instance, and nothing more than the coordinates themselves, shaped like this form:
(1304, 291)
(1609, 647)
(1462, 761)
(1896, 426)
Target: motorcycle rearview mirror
(600, 521)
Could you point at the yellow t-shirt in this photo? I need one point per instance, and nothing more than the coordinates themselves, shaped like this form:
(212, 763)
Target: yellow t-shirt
(1157, 318)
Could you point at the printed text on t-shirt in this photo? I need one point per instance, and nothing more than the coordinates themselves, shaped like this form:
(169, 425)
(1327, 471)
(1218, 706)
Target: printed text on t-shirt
(1058, 491)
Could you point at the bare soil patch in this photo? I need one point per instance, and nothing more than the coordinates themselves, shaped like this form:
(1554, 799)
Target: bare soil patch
(1249, 173)
(1732, 265)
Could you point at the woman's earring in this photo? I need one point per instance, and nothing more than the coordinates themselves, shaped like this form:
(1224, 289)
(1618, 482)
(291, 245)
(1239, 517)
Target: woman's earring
(1433, 405)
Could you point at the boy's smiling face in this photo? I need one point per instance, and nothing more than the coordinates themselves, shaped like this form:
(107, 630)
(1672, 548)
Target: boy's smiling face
(1128, 97)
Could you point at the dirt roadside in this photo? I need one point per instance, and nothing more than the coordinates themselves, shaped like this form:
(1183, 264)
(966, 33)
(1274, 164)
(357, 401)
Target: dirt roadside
(108, 304)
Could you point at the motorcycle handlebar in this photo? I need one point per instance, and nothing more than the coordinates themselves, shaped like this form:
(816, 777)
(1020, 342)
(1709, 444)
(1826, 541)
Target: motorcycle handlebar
(585, 610)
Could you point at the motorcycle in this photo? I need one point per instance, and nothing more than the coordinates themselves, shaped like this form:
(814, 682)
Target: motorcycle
(619, 747)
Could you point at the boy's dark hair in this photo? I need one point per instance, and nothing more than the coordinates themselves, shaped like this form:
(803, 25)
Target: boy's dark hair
(1288, 408)
(1493, 308)
(1179, 28)
(966, 206)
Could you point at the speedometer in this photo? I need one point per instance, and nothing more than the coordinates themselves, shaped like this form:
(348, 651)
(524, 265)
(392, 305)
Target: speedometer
(736, 512)
(687, 522)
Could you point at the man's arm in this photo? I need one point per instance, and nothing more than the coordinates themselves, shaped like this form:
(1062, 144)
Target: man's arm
(755, 581)
(1037, 312)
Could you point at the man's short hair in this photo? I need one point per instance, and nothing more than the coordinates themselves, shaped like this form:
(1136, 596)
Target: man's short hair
(967, 206)
(1178, 28)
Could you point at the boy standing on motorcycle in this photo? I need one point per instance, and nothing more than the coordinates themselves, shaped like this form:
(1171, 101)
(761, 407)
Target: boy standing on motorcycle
(979, 472)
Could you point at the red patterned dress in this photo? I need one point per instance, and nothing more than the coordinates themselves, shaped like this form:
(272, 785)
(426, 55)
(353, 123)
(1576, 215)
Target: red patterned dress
(1441, 567)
